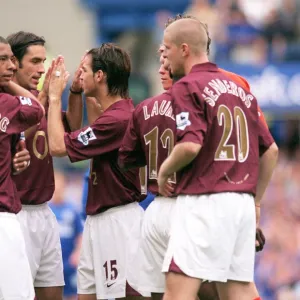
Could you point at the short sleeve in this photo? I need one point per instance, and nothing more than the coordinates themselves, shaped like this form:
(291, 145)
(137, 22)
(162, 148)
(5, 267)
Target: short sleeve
(189, 112)
(20, 113)
(131, 153)
(103, 136)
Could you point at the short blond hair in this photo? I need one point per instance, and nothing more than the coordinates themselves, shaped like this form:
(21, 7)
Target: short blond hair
(184, 16)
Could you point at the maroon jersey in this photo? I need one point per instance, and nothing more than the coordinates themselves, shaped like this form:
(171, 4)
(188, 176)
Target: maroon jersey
(149, 139)
(109, 186)
(16, 115)
(35, 185)
(221, 116)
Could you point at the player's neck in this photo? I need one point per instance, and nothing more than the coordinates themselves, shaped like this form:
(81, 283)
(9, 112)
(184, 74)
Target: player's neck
(196, 60)
(106, 101)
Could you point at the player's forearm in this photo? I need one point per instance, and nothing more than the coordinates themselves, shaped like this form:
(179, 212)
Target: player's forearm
(182, 155)
(75, 111)
(94, 110)
(266, 167)
(42, 97)
(56, 130)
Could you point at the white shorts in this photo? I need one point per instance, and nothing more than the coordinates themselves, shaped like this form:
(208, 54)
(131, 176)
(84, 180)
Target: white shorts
(110, 252)
(15, 275)
(41, 233)
(155, 238)
(213, 237)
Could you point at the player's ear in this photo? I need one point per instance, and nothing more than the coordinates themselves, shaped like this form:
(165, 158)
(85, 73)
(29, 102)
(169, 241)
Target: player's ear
(185, 50)
(99, 75)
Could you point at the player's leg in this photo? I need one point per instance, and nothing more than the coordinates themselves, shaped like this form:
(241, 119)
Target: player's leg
(15, 276)
(86, 281)
(180, 286)
(49, 279)
(49, 293)
(240, 284)
(154, 243)
(208, 291)
(237, 290)
(115, 240)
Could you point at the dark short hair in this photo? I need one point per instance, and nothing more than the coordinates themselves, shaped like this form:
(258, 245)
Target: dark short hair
(183, 16)
(20, 41)
(3, 40)
(115, 63)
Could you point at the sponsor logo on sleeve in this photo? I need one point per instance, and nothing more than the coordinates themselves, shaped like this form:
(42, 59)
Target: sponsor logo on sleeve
(86, 136)
(25, 101)
(182, 120)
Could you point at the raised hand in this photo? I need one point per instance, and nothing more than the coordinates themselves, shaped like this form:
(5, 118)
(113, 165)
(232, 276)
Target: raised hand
(76, 86)
(58, 80)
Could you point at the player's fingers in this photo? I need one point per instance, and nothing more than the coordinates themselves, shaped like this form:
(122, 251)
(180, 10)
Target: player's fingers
(22, 159)
(22, 154)
(21, 165)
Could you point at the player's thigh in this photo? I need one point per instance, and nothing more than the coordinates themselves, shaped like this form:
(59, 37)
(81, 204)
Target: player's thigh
(243, 257)
(86, 281)
(208, 291)
(50, 271)
(203, 235)
(87, 297)
(180, 286)
(115, 241)
(15, 276)
(237, 290)
(49, 293)
(154, 243)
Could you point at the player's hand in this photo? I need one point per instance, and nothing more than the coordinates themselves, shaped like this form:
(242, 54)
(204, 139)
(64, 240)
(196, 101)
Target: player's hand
(77, 83)
(58, 80)
(260, 240)
(46, 84)
(21, 160)
(74, 258)
(165, 188)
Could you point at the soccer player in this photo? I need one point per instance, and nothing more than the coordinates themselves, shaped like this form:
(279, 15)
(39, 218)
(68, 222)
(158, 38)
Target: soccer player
(109, 254)
(17, 114)
(137, 150)
(36, 184)
(219, 144)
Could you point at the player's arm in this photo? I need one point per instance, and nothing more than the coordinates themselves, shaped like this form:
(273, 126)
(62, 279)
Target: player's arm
(267, 165)
(191, 128)
(268, 159)
(74, 111)
(130, 153)
(55, 124)
(16, 90)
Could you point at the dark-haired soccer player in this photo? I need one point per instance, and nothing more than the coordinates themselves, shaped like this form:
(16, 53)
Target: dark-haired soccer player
(109, 256)
(17, 114)
(36, 184)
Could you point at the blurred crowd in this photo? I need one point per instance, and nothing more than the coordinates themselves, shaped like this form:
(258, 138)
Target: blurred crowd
(255, 32)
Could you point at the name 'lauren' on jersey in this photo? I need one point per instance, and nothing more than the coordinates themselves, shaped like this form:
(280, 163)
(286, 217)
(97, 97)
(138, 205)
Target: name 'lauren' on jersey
(222, 87)
(164, 108)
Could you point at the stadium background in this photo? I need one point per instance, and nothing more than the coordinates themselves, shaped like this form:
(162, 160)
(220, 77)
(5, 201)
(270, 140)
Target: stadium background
(254, 38)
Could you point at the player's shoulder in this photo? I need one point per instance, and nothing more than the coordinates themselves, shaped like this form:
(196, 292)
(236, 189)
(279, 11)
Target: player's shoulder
(6, 97)
(149, 102)
(236, 78)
